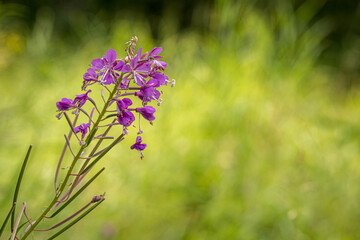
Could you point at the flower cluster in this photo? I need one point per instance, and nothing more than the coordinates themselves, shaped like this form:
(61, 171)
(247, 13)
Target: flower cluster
(139, 76)
(131, 85)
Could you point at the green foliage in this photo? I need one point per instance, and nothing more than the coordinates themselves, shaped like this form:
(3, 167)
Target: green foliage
(256, 141)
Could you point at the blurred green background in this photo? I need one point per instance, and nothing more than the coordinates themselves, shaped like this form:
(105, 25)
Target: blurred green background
(259, 139)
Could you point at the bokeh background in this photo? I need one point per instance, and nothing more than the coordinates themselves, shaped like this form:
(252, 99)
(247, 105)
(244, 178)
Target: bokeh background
(259, 139)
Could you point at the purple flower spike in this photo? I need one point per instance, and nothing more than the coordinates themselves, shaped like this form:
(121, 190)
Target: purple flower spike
(65, 104)
(83, 128)
(138, 145)
(147, 112)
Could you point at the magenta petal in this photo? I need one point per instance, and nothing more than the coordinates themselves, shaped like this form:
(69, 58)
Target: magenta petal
(126, 118)
(97, 64)
(109, 79)
(65, 104)
(126, 68)
(139, 52)
(145, 67)
(119, 66)
(163, 64)
(138, 145)
(155, 51)
(111, 55)
(147, 112)
(127, 102)
(123, 104)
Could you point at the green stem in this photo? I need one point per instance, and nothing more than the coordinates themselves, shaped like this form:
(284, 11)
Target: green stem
(82, 148)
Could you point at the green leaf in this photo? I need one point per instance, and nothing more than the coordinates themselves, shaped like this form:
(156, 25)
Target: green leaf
(17, 189)
(102, 154)
(7, 218)
(76, 220)
(77, 193)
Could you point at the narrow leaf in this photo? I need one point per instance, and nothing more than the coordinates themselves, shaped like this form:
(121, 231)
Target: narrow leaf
(109, 116)
(17, 189)
(7, 219)
(77, 193)
(102, 154)
(70, 124)
(90, 137)
(76, 220)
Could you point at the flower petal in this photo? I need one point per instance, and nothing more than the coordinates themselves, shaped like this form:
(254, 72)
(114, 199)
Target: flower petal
(97, 64)
(111, 56)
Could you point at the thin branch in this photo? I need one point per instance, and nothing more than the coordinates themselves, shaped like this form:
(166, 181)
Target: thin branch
(93, 102)
(86, 115)
(62, 155)
(68, 143)
(119, 139)
(17, 222)
(77, 193)
(71, 126)
(76, 220)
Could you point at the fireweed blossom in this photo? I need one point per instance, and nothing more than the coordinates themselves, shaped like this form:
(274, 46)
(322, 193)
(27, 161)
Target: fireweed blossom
(139, 146)
(129, 87)
(83, 128)
(67, 104)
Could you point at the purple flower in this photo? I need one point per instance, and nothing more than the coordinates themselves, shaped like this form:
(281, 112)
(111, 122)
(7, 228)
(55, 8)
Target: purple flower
(153, 58)
(65, 104)
(147, 112)
(90, 77)
(155, 51)
(126, 118)
(123, 104)
(81, 99)
(138, 70)
(138, 145)
(107, 65)
(148, 92)
(83, 128)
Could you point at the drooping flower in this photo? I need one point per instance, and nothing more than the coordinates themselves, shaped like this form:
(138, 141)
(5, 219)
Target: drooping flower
(147, 112)
(123, 104)
(65, 104)
(125, 117)
(81, 99)
(138, 145)
(83, 128)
